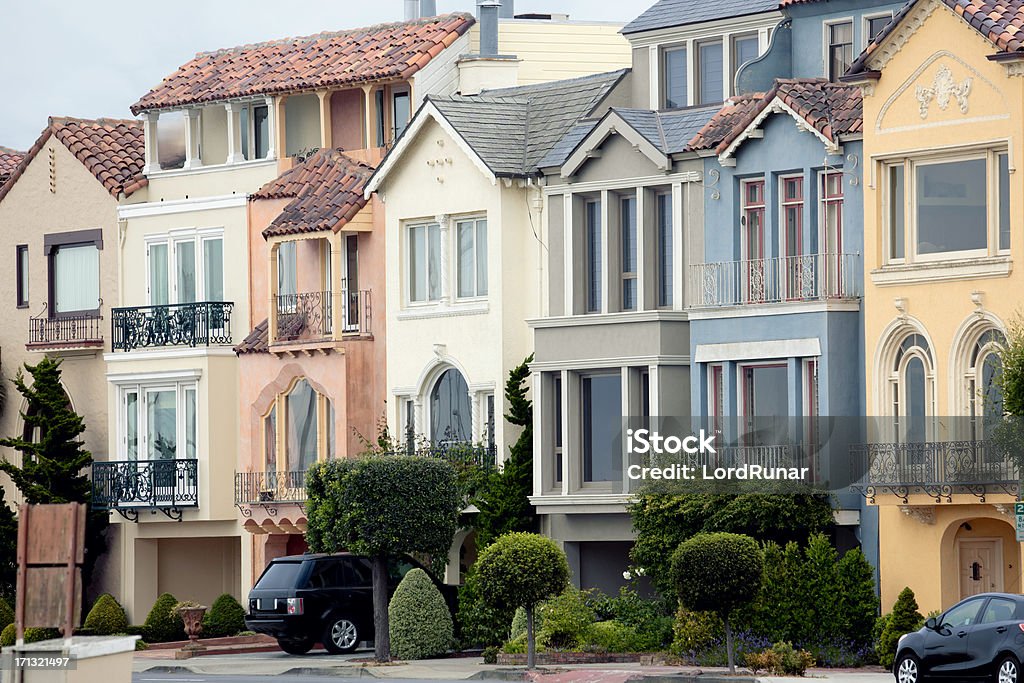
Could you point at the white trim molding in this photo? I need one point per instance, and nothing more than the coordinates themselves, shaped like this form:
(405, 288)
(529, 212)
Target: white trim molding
(758, 350)
(230, 201)
(155, 377)
(613, 124)
(943, 271)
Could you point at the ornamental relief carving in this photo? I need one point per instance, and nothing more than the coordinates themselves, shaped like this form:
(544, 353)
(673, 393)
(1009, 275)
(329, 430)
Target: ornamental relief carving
(943, 90)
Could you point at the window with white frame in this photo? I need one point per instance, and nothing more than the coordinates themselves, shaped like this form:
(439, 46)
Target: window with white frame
(663, 204)
(287, 270)
(424, 264)
(594, 271)
(628, 251)
(984, 393)
(874, 24)
(298, 429)
(601, 403)
(186, 267)
(745, 47)
(471, 257)
(556, 408)
(839, 50)
(911, 388)
(159, 420)
(710, 66)
(254, 120)
(674, 78)
(947, 207)
(451, 410)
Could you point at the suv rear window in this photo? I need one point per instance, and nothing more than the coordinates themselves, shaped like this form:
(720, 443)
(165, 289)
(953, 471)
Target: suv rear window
(280, 575)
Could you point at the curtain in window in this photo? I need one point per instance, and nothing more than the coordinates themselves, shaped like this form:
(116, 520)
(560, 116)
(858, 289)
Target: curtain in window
(481, 258)
(417, 263)
(434, 262)
(158, 289)
(191, 428)
(131, 423)
(286, 285)
(330, 429)
(302, 433)
(450, 409)
(213, 269)
(185, 265)
(76, 282)
(162, 422)
(270, 440)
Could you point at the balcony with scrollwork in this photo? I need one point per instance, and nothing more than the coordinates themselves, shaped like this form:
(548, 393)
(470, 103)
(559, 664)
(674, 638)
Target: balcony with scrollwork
(313, 319)
(206, 323)
(129, 487)
(812, 277)
(938, 469)
(65, 332)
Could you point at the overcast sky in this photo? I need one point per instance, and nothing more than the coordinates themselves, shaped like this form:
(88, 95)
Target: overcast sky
(92, 58)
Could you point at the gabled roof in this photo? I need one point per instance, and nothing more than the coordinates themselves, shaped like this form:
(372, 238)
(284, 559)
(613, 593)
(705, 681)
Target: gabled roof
(326, 191)
(1001, 22)
(656, 134)
(830, 110)
(672, 13)
(362, 55)
(113, 150)
(9, 160)
(507, 132)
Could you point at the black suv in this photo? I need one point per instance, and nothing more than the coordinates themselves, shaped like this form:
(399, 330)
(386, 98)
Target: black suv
(304, 599)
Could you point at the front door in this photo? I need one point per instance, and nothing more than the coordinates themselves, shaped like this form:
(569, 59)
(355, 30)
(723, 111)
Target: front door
(980, 567)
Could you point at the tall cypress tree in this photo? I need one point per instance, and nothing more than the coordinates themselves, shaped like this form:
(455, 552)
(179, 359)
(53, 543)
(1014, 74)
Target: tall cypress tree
(54, 462)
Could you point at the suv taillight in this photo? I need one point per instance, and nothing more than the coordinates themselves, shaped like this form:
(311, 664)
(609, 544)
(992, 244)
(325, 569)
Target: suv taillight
(295, 606)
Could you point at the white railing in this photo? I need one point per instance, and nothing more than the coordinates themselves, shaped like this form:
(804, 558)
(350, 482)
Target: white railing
(814, 277)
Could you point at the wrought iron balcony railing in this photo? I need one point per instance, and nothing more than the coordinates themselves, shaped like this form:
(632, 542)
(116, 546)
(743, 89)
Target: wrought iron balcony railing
(194, 324)
(65, 331)
(815, 277)
(128, 486)
(938, 469)
(309, 316)
(269, 488)
(455, 452)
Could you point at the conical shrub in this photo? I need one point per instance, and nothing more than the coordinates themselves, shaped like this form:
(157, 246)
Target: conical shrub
(420, 623)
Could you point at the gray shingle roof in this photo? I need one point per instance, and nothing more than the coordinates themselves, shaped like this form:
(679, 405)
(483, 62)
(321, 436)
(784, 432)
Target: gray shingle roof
(669, 13)
(512, 129)
(565, 147)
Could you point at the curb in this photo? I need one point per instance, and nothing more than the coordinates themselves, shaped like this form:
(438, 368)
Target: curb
(697, 678)
(500, 675)
(336, 671)
(167, 669)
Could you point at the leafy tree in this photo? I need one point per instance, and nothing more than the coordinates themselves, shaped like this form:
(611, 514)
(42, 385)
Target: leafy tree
(55, 464)
(905, 618)
(521, 570)
(663, 521)
(8, 549)
(504, 502)
(1011, 377)
(718, 573)
(382, 507)
(480, 623)
(421, 625)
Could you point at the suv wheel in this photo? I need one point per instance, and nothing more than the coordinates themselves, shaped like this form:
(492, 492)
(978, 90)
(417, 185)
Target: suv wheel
(907, 669)
(340, 636)
(295, 647)
(1008, 671)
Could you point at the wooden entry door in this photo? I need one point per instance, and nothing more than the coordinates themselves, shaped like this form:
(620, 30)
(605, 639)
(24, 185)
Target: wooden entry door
(980, 566)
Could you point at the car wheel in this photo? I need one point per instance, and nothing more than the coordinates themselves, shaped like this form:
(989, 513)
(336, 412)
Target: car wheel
(295, 647)
(340, 636)
(908, 669)
(1008, 670)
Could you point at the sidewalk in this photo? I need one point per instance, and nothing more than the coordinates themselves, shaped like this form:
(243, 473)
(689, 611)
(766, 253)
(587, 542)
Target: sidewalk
(457, 669)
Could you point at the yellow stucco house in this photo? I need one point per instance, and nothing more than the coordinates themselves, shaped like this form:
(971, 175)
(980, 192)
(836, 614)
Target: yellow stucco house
(943, 88)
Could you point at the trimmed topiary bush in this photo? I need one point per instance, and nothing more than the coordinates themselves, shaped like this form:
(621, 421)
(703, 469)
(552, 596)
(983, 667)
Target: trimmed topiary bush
(32, 635)
(161, 626)
(418, 617)
(106, 617)
(226, 617)
(905, 618)
(8, 636)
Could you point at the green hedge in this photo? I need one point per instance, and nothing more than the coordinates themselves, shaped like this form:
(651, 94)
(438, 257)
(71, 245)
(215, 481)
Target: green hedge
(6, 614)
(32, 635)
(419, 622)
(161, 626)
(226, 617)
(106, 617)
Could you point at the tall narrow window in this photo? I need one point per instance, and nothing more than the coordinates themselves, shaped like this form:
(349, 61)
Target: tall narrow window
(895, 214)
(1003, 167)
(191, 423)
(489, 417)
(602, 427)
(287, 285)
(471, 236)
(76, 278)
(912, 389)
(21, 263)
(162, 424)
(131, 425)
(716, 396)
(185, 265)
(301, 427)
(833, 279)
(627, 215)
(709, 72)
(400, 111)
(261, 131)
(378, 102)
(450, 409)
(594, 270)
(159, 289)
(840, 48)
(213, 269)
(556, 404)
(424, 263)
(270, 440)
(329, 428)
(665, 255)
(792, 213)
(744, 49)
(765, 404)
(410, 426)
(674, 80)
(752, 234)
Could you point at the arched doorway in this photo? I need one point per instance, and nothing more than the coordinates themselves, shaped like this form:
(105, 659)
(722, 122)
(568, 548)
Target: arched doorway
(985, 551)
(451, 411)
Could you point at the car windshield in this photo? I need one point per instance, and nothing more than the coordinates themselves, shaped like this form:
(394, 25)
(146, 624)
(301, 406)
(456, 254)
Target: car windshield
(280, 575)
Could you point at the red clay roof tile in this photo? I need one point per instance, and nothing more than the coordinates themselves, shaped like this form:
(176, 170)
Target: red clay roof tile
(9, 160)
(362, 55)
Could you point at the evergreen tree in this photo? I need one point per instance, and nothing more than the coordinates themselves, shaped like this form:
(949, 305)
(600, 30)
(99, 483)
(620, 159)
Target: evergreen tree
(54, 463)
(905, 618)
(504, 501)
(8, 549)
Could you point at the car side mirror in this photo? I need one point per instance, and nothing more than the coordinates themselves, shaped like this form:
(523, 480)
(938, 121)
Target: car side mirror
(931, 624)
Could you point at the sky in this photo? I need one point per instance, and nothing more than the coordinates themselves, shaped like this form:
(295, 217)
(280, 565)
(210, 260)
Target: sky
(92, 58)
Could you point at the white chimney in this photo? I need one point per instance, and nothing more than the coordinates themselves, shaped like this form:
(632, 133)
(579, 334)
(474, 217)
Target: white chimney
(428, 8)
(412, 10)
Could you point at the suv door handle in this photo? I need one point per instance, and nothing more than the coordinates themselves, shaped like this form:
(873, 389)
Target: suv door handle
(1001, 629)
(961, 634)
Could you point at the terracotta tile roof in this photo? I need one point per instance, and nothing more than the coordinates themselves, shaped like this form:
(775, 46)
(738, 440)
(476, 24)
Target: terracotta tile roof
(258, 340)
(362, 55)
(112, 149)
(327, 189)
(833, 109)
(9, 160)
(999, 21)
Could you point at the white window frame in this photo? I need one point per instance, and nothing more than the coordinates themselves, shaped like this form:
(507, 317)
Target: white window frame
(663, 53)
(734, 63)
(141, 389)
(249, 153)
(725, 42)
(784, 204)
(887, 205)
(865, 26)
(171, 239)
(407, 263)
(826, 42)
(456, 259)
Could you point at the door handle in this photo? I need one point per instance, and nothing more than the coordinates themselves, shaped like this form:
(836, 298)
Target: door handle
(1001, 629)
(961, 634)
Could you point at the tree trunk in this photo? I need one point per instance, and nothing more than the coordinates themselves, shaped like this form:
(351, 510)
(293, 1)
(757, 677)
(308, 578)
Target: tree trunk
(382, 635)
(531, 648)
(729, 646)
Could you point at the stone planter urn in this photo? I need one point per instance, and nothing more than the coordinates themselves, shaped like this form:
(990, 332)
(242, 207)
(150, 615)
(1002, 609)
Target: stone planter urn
(192, 617)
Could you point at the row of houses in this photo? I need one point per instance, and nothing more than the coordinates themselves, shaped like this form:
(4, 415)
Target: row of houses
(718, 211)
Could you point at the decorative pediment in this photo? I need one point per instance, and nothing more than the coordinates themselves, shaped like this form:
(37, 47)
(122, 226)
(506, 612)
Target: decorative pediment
(942, 90)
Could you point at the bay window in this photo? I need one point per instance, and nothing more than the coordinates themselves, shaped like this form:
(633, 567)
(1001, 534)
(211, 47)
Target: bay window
(159, 421)
(602, 426)
(186, 267)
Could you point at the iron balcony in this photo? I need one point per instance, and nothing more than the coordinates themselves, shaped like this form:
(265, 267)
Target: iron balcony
(193, 324)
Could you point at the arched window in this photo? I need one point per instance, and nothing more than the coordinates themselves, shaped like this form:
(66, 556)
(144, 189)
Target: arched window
(984, 396)
(451, 413)
(298, 429)
(912, 388)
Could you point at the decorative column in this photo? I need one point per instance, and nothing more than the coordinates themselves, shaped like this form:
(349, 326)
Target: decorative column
(275, 127)
(325, 120)
(272, 287)
(192, 134)
(445, 221)
(234, 110)
(339, 303)
(150, 127)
